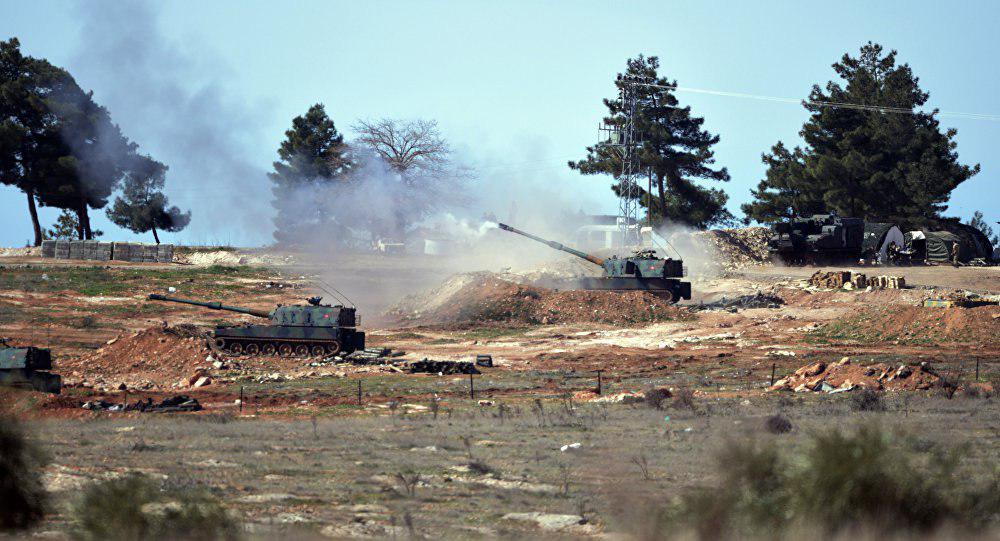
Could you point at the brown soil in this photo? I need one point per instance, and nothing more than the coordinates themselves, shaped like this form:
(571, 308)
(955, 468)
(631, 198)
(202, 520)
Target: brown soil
(488, 299)
(980, 325)
(847, 376)
(146, 359)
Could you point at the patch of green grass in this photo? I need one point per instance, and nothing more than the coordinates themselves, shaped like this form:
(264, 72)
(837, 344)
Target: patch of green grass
(490, 333)
(130, 310)
(407, 335)
(101, 281)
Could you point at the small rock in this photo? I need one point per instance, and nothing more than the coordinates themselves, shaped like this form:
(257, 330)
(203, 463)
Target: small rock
(203, 381)
(571, 447)
(547, 521)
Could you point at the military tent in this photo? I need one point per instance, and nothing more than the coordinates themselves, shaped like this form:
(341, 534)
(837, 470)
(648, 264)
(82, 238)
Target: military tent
(974, 239)
(877, 239)
(937, 246)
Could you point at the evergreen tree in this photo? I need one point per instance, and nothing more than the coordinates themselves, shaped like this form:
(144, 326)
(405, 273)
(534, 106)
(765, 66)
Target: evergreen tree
(27, 129)
(979, 222)
(94, 161)
(312, 155)
(56, 144)
(879, 158)
(65, 228)
(144, 207)
(675, 151)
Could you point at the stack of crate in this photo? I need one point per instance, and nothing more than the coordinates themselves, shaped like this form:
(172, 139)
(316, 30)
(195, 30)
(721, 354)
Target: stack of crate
(48, 248)
(106, 251)
(122, 251)
(62, 249)
(165, 253)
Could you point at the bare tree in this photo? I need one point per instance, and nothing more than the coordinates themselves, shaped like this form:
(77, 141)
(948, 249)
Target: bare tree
(412, 148)
(424, 178)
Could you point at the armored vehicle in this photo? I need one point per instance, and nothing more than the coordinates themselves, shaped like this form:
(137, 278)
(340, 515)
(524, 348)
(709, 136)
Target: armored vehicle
(818, 239)
(27, 367)
(640, 272)
(314, 329)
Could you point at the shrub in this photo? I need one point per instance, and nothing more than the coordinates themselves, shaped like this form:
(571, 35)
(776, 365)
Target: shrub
(22, 495)
(841, 482)
(684, 398)
(867, 400)
(137, 508)
(777, 424)
(655, 398)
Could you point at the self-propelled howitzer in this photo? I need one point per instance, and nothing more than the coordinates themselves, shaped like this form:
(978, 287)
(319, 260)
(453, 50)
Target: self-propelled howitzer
(641, 272)
(314, 329)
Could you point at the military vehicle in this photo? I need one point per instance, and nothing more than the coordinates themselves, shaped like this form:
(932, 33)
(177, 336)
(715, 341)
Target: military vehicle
(818, 239)
(27, 367)
(314, 329)
(643, 271)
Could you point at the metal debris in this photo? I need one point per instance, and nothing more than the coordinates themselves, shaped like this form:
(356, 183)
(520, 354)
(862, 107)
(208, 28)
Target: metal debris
(428, 366)
(754, 300)
(168, 405)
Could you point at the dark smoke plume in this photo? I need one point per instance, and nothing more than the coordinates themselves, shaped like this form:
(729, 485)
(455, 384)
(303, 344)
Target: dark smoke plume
(176, 105)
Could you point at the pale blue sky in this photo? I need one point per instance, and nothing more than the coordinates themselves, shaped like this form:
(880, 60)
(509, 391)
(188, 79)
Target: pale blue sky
(209, 87)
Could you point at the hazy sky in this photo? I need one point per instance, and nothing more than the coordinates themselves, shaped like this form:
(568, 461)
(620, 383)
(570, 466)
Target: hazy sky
(209, 87)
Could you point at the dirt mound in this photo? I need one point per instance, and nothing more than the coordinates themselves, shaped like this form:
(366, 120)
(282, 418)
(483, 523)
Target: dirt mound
(231, 258)
(486, 298)
(917, 324)
(845, 376)
(741, 247)
(29, 251)
(153, 358)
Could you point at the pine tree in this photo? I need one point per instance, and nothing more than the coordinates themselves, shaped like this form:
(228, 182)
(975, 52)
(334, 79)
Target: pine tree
(144, 207)
(881, 158)
(56, 144)
(675, 151)
(312, 155)
(979, 222)
(27, 128)
(65, 227)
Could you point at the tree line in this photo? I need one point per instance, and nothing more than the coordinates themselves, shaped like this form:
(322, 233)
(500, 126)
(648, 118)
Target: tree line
(62, 150)
(881, 159)
(329, 191)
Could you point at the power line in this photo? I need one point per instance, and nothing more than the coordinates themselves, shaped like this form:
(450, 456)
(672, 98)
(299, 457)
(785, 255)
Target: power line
(822, 103)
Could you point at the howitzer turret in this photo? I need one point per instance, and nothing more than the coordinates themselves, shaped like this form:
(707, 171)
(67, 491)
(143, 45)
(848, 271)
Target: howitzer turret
(314, 329)
(640, 272)
(28, 367)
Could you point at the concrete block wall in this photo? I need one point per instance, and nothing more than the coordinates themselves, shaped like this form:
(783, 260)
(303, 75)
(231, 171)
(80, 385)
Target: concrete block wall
(106, 251)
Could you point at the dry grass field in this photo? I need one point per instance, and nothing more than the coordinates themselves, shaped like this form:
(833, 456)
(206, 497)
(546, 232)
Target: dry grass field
(708, 452)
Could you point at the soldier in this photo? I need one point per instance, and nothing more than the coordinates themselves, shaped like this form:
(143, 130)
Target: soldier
(892, 253)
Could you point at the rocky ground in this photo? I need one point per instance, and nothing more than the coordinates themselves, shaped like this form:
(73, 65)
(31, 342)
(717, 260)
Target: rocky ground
(326, 463)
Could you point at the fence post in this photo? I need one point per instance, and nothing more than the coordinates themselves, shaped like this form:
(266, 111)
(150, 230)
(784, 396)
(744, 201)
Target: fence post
(599, 382)
(773, 366)
(359, 391)
(472, 388)
(241, 400)
(977, 370)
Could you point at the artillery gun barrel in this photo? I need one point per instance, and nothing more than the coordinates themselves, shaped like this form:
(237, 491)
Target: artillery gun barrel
(214, 305)
(556, 245)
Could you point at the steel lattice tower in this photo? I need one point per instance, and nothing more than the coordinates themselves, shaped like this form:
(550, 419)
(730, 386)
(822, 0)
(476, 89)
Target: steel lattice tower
(625, 139)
